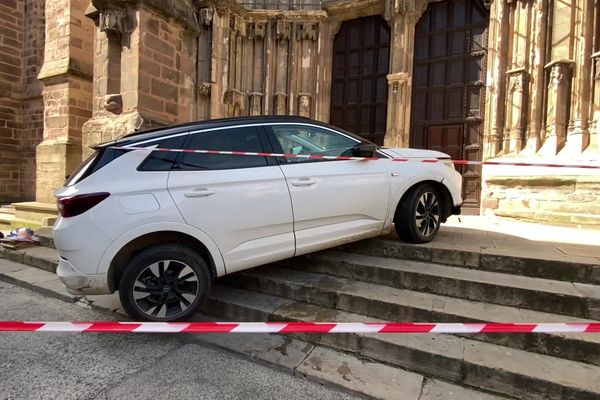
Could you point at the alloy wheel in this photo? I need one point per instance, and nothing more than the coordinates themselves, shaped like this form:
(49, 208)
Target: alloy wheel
(165, 289)
(427, 214)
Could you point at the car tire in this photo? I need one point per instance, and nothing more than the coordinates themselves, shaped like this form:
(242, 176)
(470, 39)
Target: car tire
(164, 283)
(418, 215)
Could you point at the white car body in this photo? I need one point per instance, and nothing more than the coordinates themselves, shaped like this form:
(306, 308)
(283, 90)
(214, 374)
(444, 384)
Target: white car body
(243, 217)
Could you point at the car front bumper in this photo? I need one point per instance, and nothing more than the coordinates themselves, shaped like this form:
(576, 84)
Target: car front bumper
(78, 283)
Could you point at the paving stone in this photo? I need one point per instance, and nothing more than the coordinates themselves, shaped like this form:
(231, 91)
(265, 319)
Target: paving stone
(32, 275)
(10, 266)
(376, 380)
(438, 390)
(109, 302)
(283, 351)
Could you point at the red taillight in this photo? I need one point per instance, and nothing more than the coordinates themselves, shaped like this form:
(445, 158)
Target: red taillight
(75, 205)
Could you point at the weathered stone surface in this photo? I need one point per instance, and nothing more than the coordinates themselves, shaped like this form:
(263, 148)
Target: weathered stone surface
(372, 379)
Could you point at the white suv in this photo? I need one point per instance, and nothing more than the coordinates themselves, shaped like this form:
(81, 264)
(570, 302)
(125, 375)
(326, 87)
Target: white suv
(160, 225)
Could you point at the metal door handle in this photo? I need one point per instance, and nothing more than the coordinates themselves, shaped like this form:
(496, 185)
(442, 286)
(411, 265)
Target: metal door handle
(200, 192)
(304, 182)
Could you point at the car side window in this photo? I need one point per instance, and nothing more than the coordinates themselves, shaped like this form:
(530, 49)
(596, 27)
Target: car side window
(301, 139)
(235, 139)
(163, 160)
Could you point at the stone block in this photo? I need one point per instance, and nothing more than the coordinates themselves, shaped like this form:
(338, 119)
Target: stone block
(489, 203)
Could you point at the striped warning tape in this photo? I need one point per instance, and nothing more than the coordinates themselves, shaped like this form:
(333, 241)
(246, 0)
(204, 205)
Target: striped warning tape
(399, 159)
(299, 327)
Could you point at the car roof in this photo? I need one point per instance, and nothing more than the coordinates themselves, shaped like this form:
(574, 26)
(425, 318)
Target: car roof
(158, 132)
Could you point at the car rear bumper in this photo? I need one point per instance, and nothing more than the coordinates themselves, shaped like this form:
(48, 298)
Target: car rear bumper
(78, 283)
(455, 210)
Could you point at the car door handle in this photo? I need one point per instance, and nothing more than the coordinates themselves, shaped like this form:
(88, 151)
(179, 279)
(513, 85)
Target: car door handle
(200, 192)
(304, 182)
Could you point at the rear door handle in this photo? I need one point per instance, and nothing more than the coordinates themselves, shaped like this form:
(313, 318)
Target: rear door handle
(304, 182)
(200, 192)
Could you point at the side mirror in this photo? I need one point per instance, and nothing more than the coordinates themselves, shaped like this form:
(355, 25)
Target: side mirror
(364, 150)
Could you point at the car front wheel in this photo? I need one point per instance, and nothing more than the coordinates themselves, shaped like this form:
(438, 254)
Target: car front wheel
(418, 216)
(164, 283)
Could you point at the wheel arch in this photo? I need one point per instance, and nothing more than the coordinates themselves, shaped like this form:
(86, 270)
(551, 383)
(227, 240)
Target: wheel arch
(444, 192)
(128, 245)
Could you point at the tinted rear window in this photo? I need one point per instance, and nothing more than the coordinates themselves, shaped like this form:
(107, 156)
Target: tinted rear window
(234, 139)
(163, 160)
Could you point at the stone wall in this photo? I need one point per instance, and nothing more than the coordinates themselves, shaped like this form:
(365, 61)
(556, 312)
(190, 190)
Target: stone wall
(543, 105)
(67, 77)
(21, 107)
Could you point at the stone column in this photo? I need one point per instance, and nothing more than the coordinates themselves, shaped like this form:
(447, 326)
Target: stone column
(307, 36)
(516, 110)
(595, 128)
(283, 34)
(578, 132)
(535, 126)
(557, 106)
(204, 63)
(496, 90)
(399, 84)
(220, 64)
(67, 78)
(327, 32)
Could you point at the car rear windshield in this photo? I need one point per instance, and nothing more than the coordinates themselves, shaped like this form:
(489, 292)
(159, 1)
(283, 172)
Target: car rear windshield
(101, 157)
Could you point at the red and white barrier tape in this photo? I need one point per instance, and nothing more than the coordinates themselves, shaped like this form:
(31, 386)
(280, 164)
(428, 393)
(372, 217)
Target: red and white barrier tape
(298, 327)
(400, 159)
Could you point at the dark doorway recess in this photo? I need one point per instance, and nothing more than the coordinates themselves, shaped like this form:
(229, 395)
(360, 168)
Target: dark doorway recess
(361, 52)
(449, 85)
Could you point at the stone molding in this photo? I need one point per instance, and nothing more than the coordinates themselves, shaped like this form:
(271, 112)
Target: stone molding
(256, 103)
(206, 16)
(204, 89)
(280, 103)
(113, 21)
(283, 30)
(559, 69)
(304, 104)
(257, 30)
(180, 10)
(233, 97)
(307, 31)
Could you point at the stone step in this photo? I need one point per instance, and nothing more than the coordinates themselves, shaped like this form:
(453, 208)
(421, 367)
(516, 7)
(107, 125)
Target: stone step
(552, 296)
(473, 363)
(46, 238)
(516, 261)
(392, 304)
(36, 256)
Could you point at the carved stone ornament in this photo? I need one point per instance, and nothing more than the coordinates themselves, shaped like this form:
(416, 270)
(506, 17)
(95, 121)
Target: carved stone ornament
(206, 16)
(113, 103)
(204, 89)
(280, 103)
(517, 83)
(283, 30)
(558, 72)
(304, 105)
(597, 67)
(257, 30)
(234, 97)
(255, 103)
(306, 31)
(113, 21)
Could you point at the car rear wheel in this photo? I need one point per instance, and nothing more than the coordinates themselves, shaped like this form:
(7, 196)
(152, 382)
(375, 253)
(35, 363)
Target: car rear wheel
(164, 283)
(418, 216)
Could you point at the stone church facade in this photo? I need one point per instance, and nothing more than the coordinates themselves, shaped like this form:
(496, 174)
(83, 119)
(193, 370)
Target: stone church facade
(514, 80)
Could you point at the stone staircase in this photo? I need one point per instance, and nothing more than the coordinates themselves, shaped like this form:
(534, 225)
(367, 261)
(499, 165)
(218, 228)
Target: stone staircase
(386, 280)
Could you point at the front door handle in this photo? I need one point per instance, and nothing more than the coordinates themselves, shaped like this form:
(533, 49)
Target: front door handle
(200, 192)
(304, 182)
